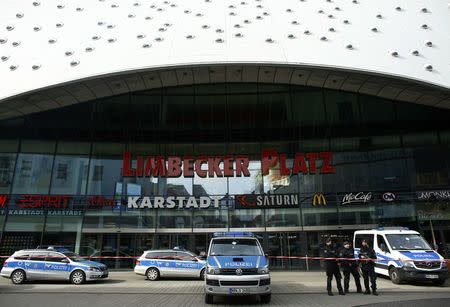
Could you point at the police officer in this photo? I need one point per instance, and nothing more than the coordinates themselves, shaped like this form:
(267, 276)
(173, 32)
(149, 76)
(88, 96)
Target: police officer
(332, 267)
(368, 267)
(349, 267)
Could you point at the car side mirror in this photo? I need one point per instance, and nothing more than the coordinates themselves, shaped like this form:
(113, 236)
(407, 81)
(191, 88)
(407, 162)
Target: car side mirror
(65, 260)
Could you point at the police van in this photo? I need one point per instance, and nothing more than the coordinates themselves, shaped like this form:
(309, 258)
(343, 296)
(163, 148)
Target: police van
(50, 264)
(236, 265)
(403, 255)
(170, 263)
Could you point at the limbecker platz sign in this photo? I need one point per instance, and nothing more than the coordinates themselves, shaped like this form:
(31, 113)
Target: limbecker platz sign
(224, 166)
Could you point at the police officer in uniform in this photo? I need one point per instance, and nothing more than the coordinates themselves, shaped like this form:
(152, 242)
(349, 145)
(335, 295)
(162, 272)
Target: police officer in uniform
(349, 267)
(332, 267)
(368, 267)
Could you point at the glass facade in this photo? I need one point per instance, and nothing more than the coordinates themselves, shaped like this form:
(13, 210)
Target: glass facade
(76, 153)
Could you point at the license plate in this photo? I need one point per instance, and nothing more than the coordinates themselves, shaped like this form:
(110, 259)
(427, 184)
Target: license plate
(238, 290)
(432, 276)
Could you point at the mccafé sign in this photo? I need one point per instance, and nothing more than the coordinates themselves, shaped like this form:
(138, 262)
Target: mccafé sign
(224, 166)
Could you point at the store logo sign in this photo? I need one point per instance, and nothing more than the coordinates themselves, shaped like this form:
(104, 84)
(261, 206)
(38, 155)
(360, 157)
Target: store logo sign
(224, 166)
(360, 197)
(3, 199)
(434, 195)
(319, 199)
(388, 197)
(252, 201)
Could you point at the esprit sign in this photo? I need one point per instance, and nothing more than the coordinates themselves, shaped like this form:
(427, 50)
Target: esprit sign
(224, 166)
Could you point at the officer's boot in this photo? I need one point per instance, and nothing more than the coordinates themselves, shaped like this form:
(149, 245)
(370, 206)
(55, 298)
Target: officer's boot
(329, 286)
(367, 291)
(358, 286)
(374, 292)
(339, 286)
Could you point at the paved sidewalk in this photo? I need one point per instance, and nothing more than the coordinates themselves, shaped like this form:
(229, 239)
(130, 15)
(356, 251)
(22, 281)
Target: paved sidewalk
(289, 289)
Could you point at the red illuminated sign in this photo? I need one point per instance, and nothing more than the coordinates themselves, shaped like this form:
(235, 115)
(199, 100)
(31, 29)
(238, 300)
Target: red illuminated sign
(3, 200)
(224, 166)
(43, 201)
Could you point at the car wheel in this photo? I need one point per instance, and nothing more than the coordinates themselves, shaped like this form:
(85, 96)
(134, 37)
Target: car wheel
(18, 277)
(209, 299)
(77, 277)
(202, 274)
(395, 276)
(265, 298)
(152, 274)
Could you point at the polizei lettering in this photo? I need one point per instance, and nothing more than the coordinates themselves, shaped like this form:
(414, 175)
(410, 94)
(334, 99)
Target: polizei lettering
(173, 202)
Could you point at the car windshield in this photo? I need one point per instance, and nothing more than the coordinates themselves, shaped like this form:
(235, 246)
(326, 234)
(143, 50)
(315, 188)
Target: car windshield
(74, 256)
(235, 247)
(407, 242)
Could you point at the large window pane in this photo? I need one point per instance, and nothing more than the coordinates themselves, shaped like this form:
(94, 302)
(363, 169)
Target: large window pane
(105, 177)
(289, 217)
(246, 218)
(70, 175)
(33, 173)
(7, 163)
(210, 219)
(174, 218)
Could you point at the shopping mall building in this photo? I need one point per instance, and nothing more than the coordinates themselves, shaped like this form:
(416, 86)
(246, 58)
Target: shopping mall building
(132, 125)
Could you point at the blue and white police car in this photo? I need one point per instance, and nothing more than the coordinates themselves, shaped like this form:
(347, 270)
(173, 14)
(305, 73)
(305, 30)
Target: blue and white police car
(170, 263)
(236, 265)
(50, 264)
(403, 255)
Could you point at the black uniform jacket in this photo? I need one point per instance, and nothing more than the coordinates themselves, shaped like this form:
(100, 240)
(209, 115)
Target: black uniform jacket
(367, 253)
(348, 253)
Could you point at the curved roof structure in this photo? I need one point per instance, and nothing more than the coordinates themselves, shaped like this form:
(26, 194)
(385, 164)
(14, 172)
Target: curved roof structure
(59, 52)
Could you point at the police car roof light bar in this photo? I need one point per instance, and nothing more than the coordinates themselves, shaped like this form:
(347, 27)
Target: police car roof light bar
(233, 234)
(393, 228)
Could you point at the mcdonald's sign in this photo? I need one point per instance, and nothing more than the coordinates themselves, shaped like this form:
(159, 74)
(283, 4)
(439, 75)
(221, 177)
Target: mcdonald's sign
(319, 199)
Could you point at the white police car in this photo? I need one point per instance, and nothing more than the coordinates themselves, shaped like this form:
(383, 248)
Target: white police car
(236, 265)
(49, 264)
(169, 263)
(403, 255)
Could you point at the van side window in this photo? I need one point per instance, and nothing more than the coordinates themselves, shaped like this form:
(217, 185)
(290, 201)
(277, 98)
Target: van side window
(167, 255)
(382, 243)
(360, 237)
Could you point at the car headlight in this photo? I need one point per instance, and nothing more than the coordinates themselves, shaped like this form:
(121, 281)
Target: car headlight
(93, 268)
(408, 264)
(263, 270)
(212, 270)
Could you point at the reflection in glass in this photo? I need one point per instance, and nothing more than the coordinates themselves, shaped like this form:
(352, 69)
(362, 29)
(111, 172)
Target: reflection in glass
(246, 218)
(174, 218)
(288, 217)
(69, 175)
(210, 219)
(247, 185)
(104, 175)
(32, 174)
(7, 162)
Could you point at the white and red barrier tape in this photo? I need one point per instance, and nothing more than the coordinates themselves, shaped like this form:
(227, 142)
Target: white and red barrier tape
(279, 257)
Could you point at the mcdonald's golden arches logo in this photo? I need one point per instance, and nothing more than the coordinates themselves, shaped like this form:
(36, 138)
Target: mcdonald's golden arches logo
(319, 199)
